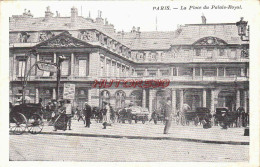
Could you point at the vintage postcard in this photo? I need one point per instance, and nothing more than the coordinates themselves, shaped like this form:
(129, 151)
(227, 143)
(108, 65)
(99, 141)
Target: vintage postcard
(155, 83)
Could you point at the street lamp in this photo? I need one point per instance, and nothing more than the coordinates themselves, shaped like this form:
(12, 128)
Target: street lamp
(60, 60)
(30, 52)
(243, 30)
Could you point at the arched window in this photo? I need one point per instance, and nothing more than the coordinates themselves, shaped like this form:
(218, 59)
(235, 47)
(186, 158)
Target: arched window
(136, 97)
(120, 99)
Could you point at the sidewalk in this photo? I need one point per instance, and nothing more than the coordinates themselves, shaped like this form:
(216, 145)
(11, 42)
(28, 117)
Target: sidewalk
(150, 131)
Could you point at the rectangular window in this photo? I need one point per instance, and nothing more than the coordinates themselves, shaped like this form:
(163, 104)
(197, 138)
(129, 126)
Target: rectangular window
(243, 73)
(186, 71)
(82, 68)
(198, 52)
(233, 71)
(209, 71)
(174, 71)
(21, 68)
(221, 52)
(233, 53)
(165, 72)
(46, 73)
(140, 73)
(210, 53)
(152, 73)
(65, 68)
(197, 71)
(220, 71)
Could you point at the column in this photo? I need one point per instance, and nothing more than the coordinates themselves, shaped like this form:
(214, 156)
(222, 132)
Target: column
(151, 97)
(144, 98)
(158, 72)
(224, 71)
(177, 71)
(145, 72)
(53, 93)
(37, 59)
(171, 72)
(72, 65)
(174, 101)
(193, 72)
(54, 58)
(237, 99)
(181, 99)
(217, 71)
(36, 95)
(89, 96)
(204, 96)
(245, 100)
(212, 104)
(201, 72)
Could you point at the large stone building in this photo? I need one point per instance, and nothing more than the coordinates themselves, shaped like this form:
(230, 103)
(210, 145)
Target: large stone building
(207, 64)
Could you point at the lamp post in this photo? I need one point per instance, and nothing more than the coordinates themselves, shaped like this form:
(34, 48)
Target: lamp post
(243, 30)
(60, 60)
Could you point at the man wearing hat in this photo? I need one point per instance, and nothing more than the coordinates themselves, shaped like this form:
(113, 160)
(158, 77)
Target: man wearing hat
(87, 113)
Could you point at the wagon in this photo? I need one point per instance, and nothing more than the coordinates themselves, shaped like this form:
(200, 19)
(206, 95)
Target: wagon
(133, 113)
(194, 116)
(224, 117)
(27, 116)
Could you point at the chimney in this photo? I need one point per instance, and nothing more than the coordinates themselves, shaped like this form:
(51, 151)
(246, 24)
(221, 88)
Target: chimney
(138, 32)
(133, 29)
(48, 13)
(99, 19)
(204, 20)
(74, 15)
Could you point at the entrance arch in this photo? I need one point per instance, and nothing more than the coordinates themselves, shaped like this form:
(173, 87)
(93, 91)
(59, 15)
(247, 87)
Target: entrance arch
(136, 97)
(227, 98)
(120, 99)
(161, 97)
(104, 97)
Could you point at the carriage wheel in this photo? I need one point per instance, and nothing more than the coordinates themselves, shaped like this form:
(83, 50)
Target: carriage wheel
(35, 124)
(18, 123)
(196, 121)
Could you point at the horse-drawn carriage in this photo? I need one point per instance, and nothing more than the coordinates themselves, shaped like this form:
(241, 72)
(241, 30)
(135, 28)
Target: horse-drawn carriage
(26, 116)
(133, 113)
(226, 118)
(197, 116)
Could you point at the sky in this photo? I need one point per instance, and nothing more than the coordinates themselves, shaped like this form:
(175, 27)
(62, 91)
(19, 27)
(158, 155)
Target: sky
(125, 15)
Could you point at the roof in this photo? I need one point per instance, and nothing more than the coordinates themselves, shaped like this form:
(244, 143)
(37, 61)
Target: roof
(185, 35)
(190, 33)
(153, 40)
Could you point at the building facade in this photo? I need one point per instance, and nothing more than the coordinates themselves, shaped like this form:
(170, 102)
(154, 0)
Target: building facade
(207, 65)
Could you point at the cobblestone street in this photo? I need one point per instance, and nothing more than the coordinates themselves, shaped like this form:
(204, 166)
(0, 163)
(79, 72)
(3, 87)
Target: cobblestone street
(76, 146)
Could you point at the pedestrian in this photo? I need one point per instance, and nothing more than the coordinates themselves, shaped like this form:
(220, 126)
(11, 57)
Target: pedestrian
(48, 111)
(87, 113)
(79, 114)
(167, 115)
(60, 122)
(69, 113)
(106, 115)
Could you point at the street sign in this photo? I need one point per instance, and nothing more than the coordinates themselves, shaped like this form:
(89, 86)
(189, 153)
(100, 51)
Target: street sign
(69, 91)
(46, 66)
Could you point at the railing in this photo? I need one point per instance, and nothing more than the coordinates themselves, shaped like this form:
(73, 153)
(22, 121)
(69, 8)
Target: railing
(171, 78)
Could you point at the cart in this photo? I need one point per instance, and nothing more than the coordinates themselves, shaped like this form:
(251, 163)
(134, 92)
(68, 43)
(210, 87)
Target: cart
(194, 116)
(27, 116)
